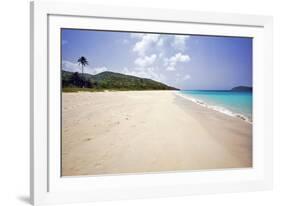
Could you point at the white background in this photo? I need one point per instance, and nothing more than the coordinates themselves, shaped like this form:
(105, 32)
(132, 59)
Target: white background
(14, 100)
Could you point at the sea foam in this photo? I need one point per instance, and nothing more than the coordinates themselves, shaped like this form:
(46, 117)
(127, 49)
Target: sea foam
(215, 108)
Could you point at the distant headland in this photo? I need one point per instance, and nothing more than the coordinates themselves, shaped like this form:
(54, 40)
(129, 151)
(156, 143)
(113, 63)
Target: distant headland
(242, 89)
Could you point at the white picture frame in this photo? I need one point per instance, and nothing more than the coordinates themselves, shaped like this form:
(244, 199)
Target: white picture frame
(46, 184)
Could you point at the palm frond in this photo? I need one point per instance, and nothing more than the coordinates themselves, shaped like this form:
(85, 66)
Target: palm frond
(83, 61)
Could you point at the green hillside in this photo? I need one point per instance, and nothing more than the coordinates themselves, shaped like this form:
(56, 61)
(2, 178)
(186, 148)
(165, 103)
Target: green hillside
(108, 81)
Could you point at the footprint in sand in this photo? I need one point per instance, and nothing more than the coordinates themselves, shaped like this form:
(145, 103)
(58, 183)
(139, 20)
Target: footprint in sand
(87, 139)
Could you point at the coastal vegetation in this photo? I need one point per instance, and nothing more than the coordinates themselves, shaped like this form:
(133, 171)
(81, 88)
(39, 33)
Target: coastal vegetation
(74, 81)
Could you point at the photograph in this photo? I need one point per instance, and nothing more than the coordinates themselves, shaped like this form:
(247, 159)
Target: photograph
(140, 102)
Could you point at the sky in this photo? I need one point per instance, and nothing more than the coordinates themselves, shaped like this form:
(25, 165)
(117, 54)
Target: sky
(183, 61)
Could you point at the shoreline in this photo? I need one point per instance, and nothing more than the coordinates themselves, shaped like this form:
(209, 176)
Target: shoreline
(220, 109)
(148, 131)
(186, 97)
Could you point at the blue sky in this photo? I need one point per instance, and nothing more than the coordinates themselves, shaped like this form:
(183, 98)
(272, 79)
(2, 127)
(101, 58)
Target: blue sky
(182, 61)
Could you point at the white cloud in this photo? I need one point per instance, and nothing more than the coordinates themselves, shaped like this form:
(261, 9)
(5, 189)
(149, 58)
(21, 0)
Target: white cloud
(186, 77)
(146, 60)
(160, 42)
(145, 72)
(145, 64)
(74, 67)
(137, 35)
(179, 42)
(100, 69)
(179, 57)
(172, 61)
(152, 51)
(70, 66)
(180, 80)
(125, 41)
(145, 42)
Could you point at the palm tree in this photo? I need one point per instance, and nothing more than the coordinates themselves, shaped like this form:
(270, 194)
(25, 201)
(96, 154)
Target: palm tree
(83, 62)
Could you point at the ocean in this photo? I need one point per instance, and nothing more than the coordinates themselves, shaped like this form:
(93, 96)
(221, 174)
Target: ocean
(233, 103)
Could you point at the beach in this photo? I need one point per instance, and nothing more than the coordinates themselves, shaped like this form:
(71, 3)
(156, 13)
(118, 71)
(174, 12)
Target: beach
(148, 131)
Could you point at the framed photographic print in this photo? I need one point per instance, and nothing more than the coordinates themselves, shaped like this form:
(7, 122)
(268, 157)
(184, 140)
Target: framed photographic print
(137, 103)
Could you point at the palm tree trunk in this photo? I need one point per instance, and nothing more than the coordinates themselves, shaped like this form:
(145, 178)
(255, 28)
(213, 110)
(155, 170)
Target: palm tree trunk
(82, 76)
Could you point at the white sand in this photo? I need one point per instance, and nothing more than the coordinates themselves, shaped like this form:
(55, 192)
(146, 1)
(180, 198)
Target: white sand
(148, 131)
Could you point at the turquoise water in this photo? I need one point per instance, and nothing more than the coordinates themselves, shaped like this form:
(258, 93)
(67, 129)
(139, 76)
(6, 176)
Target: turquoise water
(229, 102)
